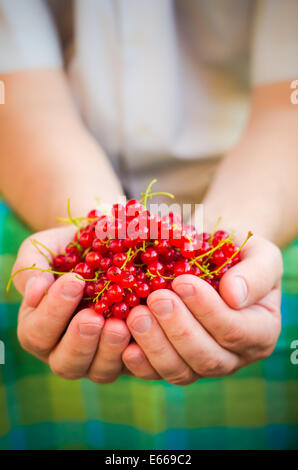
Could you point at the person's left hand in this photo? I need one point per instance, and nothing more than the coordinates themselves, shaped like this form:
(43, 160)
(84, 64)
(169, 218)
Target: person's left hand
(195, 332)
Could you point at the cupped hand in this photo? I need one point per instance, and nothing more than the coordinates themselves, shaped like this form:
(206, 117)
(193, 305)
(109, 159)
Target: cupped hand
(194, 332)
(80, 345)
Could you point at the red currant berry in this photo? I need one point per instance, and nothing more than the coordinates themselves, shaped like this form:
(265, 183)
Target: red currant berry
(142, 289)
(99, 246)
(101, 307)
(119, 259)
(120, 310)
(71, 260)
(132, 299)
(93, 259)
(128, 280)
(86, 238)
(182, 267)
(133, 208)
(114, 274)
(149, 255)
(115, 293)
(158, 282)
(59, 263)
(156, 268)
(105, 263)
(83, 270)
(94, 214)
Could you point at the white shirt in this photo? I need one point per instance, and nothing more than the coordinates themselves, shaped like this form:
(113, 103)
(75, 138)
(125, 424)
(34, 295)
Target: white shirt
(160, 79)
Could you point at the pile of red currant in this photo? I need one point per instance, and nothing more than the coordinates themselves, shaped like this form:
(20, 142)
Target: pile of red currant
(131, 252)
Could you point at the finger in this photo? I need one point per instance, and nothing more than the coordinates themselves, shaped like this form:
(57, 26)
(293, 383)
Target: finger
(55, 240)
(194, 344)
(137, 363)
(40, 329)
(107, 364)
(73, 355)
(258, 272)
(251, 329)
(157, 348)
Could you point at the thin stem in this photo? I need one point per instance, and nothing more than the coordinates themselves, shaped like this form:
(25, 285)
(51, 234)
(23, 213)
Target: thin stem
(216, 271)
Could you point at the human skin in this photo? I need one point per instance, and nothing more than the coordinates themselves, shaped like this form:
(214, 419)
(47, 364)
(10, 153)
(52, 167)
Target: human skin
(205, 334)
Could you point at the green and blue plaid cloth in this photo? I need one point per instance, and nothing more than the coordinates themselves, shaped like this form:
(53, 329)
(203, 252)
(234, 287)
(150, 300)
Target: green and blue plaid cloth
(255, 409)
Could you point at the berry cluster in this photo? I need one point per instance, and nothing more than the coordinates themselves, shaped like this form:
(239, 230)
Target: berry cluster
(131, 252)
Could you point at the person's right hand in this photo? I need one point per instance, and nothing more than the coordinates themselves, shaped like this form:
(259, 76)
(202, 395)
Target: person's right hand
(74, 346)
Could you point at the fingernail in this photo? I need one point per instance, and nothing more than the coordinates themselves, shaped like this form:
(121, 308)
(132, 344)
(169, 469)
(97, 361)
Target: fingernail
(185, 290)
(162, 307)
(71, 289)
(142, 324)
(240, 290)
(113, 337)
(89, 329)
(29, 284)
(136, 360)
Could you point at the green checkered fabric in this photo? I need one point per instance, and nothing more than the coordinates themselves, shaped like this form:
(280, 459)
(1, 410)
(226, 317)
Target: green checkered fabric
(255, 409)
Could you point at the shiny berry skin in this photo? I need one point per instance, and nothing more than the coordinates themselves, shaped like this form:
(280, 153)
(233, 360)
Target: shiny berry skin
(120, 310)
(71, 249)
(149, 255)
(188, 251)
(182, 267)
(132, 299)
(158, 282)
(83, 270)
(94, 214)
(156, 268)
(114, 274)
(168, 257)
(101, 307)
(89, 289)
(119, 259)
(99, 246)
(196, 271)
(127, 280)
(130, 268)
(93, 259)
(142, 289)
(162, 246)
(218, 257)
(140, 276)
(116, 246)
(115, 293)
(71, 260)
(105, 263)
(86, 239)
(59, 263)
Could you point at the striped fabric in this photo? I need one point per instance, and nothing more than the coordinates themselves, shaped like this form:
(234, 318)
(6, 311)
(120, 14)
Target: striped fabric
(255, 409)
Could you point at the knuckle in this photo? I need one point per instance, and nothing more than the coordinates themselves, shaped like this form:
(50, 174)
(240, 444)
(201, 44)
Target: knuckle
(183, 377)
(102, 378)
(212, 367)
(181, 335)
(64, 373)
(32, 343)
(234, 337)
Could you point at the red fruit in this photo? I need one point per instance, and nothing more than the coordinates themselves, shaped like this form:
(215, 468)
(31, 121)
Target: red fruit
(83, 270)
(218, 257)
(188, 251)
(169, 268)
(101, 307)
(130, 268)
(119, 259)
(89, 290)
(140, 276)
(149, 255)
(86, 238)
(99, 246)
(94, 214)
(228, 250)
(162, 246)
(128, 280)
(132, 299)
(196, 271)
(182, 267)
(120, 310)
(156, 268)
(71, 260)
(59, 263)
(158, 282)
(105, 263)
(142, 289)
(168, 257)
(114, 274)
(116, 246)
(93, 259)
(115, 293)
(71, 249)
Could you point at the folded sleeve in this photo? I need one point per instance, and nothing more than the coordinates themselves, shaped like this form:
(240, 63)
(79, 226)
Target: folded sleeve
(28, 37)
(274, 48)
